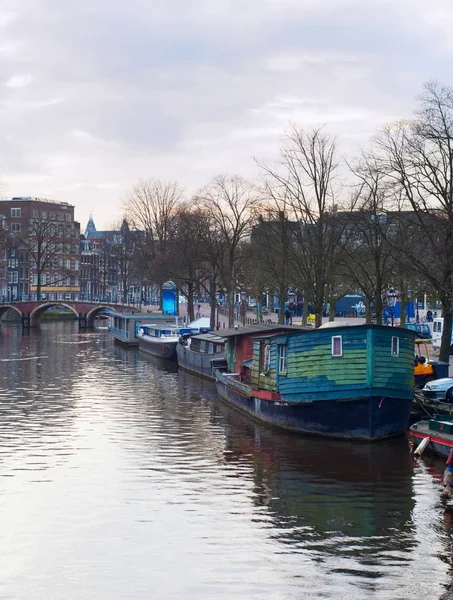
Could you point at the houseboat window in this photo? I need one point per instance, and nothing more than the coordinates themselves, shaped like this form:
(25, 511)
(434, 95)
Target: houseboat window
(282, 359)
(395, 346)
(337, 345)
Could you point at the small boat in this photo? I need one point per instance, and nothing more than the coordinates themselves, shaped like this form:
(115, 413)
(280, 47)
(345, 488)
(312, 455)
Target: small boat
(158, 340)
(353, 382)
(201, 354)
(433, 435)
(125, 327)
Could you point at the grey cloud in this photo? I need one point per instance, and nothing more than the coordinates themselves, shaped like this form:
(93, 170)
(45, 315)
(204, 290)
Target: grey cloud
(188, 89)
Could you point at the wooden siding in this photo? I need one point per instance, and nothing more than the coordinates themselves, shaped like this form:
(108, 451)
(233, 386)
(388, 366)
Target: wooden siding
(366, 366)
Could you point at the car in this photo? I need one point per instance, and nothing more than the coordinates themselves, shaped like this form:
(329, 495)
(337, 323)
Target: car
(440, 390)
(421, 329)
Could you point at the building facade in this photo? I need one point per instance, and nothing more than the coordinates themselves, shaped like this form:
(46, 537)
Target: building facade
(39, 249)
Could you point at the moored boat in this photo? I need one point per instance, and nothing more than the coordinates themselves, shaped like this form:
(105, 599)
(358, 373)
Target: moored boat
(352, 382)
(201, 354)
(125, 326)
(438, 431)
(159, 341)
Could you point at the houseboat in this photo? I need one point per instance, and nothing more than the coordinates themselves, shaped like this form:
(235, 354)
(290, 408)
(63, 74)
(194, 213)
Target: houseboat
(352, 382)
(201, 354)
(160, 340)
(125, 326)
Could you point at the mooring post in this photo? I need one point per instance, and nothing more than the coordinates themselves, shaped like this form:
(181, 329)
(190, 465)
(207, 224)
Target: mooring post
(26, 321)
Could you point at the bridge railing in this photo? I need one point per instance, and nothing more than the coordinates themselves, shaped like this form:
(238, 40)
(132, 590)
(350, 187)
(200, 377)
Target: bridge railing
(62, 297)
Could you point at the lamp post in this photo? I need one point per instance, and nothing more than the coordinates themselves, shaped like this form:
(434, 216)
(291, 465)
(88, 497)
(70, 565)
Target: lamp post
(217, 299)
(391, 302)
(243, 307)
(409, 297)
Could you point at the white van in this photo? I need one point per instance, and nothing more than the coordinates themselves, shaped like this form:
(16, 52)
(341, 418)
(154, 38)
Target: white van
(438, 327)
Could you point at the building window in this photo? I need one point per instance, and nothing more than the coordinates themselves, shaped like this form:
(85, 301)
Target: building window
(15, 212)
(282, 353)
(337, 345)
(15, 226)
(68, 264)
(395, 346)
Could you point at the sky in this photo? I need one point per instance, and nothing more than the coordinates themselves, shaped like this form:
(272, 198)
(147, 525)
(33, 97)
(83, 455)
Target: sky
(98, 94)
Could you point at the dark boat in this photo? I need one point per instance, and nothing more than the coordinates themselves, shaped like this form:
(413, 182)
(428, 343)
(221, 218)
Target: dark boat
(201, 354)
(347, 382)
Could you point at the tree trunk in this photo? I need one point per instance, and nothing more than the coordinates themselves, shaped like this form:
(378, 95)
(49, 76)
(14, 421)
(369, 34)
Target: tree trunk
(190, 309)
(213, 302)
(444, 354)
(402, 310)
(368, 310)
(282, 291)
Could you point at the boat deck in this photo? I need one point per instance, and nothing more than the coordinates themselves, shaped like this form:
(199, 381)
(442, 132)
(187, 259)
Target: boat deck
(441, 443)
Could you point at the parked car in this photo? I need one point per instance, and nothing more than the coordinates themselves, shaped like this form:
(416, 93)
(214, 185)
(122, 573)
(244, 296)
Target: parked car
(421, 329)
(439, 389)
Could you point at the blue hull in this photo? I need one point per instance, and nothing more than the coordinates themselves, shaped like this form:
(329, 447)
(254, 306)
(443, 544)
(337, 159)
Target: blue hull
(361, 418)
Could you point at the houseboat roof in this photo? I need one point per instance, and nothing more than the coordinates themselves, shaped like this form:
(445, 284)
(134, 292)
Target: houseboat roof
(150, 317)
(258, 329)
(209, 337)
(274, 329)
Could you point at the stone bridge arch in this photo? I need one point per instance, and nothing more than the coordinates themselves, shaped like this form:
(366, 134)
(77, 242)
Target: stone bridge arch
(35, 316)
(93, 313)
(4, 308)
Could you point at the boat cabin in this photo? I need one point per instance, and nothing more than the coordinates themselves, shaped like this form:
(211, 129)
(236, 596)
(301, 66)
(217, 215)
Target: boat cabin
(323, 364)
(125, 326)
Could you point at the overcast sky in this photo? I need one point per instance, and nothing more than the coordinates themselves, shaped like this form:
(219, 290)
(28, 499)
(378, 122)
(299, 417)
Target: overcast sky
(100, 93)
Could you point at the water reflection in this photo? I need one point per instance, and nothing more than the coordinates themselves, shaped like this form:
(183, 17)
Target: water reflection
(122, 478)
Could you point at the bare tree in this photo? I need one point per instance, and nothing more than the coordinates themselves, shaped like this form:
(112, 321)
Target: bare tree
(303, 181)
(229, 202)
(418, 159)
(151, 207)
(48, 243)
(121, 247)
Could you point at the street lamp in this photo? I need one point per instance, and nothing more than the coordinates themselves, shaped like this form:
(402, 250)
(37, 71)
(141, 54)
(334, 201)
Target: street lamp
(243, 307)
(391, 301)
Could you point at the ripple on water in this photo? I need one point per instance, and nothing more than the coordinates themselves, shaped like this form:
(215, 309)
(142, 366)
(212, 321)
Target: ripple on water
(121, 480)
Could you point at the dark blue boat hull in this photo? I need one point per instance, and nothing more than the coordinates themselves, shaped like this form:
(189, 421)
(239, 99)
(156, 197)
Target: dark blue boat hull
(362, 418)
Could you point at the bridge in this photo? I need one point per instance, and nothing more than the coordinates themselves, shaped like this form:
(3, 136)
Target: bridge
(30, 311)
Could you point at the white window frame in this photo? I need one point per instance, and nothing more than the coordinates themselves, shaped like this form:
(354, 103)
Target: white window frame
(395, 347)
(15, 227)
(340, 338)
(282, 358)
(15, 212)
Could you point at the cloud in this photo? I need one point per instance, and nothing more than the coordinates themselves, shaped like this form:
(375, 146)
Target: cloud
(100, 94)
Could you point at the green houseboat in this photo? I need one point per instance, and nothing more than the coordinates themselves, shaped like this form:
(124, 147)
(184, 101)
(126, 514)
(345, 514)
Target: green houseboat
(348, 381)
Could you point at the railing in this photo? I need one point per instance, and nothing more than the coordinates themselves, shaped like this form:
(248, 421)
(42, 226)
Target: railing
(119, 333)
(62, 297)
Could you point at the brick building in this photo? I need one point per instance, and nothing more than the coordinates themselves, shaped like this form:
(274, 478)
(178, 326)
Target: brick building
(39, 249)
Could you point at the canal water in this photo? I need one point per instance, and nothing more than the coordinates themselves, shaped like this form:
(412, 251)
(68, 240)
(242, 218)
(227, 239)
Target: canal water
(123, 479)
